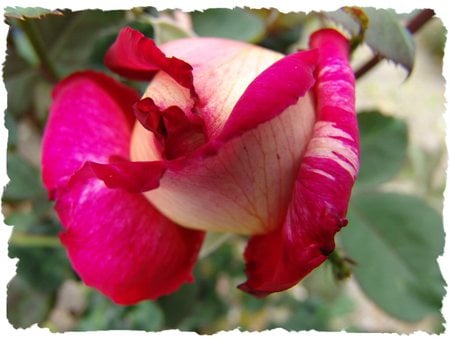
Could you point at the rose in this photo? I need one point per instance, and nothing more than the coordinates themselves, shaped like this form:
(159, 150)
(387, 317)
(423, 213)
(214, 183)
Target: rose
(227, 137)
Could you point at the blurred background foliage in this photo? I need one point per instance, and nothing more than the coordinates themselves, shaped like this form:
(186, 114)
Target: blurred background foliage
(395, 233)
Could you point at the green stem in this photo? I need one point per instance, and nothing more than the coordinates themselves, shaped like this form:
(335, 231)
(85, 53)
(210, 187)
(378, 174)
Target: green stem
(212, 243)
(413, 26)
(29, 28)
(340, 265)
(23, 239)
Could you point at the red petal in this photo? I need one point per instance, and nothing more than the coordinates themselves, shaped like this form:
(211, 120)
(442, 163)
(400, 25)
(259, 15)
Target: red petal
(130, 176)
(121, 245)
(279, 260)
(136, 57)
(275, 89)
(90, 120)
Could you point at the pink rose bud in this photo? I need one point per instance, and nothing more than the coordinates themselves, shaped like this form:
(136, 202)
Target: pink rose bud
(227, 137)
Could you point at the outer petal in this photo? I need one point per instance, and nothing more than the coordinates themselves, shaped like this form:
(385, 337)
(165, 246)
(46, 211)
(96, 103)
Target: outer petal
(116, 240)
(91, 119)
(243, 184)
(278, 260)
(118, 243)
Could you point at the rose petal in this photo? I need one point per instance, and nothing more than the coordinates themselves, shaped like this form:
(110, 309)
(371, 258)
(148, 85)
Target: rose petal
(118, 243)
(136, 57)
(245, 185)
(261, 101)
(279, 260)
(222, 71)
(130, 176)
(90, 120)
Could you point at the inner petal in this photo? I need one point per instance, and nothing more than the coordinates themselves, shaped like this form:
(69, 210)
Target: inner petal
(216, 62)
(246, 187)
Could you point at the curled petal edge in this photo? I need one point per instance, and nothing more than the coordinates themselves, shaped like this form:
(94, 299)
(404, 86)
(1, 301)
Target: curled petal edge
(137, 57)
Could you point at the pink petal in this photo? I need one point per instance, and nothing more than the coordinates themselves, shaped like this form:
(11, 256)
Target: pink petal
(134, 56)
(121, 245)
(91, 120)
(272, 92)
(279, 260)
(117, 241)
(245, 184)
(130, 176)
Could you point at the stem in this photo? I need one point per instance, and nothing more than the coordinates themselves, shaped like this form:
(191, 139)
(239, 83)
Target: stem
(413, 26)
(29, 28)
(23, 239)
(340, 266)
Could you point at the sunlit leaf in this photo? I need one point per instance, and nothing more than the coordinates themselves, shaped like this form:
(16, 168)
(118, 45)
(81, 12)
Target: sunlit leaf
(166, 30)
(395, 240)
(23, 13)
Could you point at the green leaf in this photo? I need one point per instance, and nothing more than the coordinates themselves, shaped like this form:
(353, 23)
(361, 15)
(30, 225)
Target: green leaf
(395, 240)
(24, 47)
(25, 180)
(389, 38)
(11, 126)
(44, 268)
(23, 13)
(72, 48)
(383, 147)
(236, 23)
(19, 80)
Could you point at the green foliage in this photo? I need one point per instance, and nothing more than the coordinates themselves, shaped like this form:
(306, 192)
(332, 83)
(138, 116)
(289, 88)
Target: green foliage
(19, 80)
(383, 147)
(388, 37)
(396, 240)
(237, 23)
(25, 180)
(44, 277)
(71, 48)
(23, 13)
(102, 314)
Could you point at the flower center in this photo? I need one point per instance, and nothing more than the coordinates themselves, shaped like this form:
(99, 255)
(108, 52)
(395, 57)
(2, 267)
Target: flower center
(176, 134)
